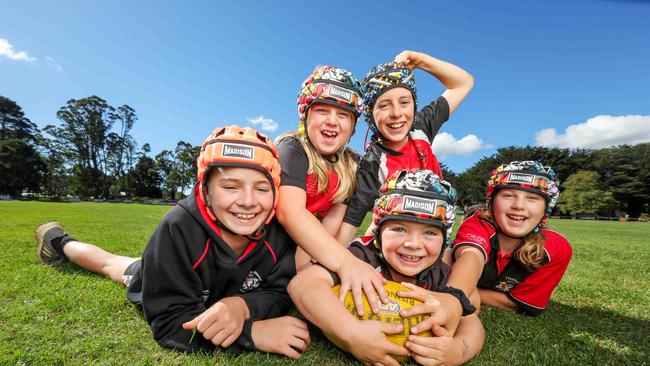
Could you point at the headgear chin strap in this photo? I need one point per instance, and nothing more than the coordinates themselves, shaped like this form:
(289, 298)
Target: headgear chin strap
(380, 79)
(234, 146)
(329, 85)
(531, 176)
(416, 195)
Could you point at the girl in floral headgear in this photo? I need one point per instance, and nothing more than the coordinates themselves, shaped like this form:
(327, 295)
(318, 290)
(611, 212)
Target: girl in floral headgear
(507, 249)
(318, 175)
(401, 135)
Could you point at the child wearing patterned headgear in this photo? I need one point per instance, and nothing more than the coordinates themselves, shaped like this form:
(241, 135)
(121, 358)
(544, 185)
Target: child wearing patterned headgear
(215, 271)
(413, 218)
(401, 136)
(506, 250)
(318, 175)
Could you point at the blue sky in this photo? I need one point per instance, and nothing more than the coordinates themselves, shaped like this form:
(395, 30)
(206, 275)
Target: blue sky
(552, 73)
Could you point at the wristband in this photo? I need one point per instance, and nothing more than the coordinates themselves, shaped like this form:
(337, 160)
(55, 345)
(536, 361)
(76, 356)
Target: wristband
(467, 306)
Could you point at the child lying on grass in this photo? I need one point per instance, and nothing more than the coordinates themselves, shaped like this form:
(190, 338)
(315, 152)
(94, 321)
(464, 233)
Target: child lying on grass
(215, 271)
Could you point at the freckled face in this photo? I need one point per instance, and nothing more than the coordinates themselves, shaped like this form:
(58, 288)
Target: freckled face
(410, 247)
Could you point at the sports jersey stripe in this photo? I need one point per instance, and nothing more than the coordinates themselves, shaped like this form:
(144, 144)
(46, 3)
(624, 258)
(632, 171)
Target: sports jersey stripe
(249, 248)
(509, 293)
(205, 252)
(275, 259)
(420, 135)
(383, 168)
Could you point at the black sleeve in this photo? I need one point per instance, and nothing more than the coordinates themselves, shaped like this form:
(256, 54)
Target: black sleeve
(293, 161)
(523, 308)
(367, 191)
(430, 118)
(171, 290)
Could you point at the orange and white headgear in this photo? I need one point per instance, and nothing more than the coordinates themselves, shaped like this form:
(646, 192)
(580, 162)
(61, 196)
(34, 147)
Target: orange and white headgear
(234, 146)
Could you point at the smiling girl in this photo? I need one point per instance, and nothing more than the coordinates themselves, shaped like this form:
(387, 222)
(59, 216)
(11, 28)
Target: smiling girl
(402, 135)
(318, 175)
(507, 248)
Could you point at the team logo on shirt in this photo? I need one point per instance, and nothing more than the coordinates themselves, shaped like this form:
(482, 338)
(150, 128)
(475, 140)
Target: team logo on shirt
(503, 286)
(419, 205)
(521, 178)
(507, 284)
(238, 151)
(252, 281)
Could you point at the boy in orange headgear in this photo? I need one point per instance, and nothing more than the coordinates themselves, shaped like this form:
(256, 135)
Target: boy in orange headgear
(218, 263)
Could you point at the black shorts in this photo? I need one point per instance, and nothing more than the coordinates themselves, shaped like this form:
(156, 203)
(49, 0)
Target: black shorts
(132, 279)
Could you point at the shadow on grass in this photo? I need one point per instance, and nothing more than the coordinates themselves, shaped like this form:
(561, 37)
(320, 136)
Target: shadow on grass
(591, 331)
(565, 334)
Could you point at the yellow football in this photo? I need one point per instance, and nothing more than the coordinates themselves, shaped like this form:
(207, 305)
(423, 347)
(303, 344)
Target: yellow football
(388, 313)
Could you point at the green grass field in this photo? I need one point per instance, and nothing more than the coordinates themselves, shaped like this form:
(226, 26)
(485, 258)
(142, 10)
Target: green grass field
(600, 314)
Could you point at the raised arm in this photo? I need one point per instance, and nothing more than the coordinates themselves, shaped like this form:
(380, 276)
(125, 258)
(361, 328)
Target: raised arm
(457, 81)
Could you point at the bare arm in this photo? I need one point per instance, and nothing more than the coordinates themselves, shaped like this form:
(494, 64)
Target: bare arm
(311, 292)
(306, 230)
(496, 299)
(457, 81)
(314, 239)
(332, 221)
(347, 233)
(467, 269)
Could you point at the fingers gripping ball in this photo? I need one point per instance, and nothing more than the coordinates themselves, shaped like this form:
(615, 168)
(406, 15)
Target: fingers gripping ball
(388, 313)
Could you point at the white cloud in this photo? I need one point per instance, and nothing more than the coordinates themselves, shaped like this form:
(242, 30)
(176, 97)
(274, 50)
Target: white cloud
(446, 144)
(7, 50)
(266, 124)
(50, 61)
(598, 132)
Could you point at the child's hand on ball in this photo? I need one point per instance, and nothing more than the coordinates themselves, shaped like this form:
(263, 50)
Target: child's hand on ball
(369, 344)
(438, 311)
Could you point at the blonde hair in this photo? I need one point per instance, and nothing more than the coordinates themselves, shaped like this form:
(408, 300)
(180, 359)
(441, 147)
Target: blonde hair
(530, 251)
(345, 167)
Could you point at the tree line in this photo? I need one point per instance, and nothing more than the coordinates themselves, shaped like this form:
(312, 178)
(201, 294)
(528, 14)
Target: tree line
(610, 182)
(91, 154)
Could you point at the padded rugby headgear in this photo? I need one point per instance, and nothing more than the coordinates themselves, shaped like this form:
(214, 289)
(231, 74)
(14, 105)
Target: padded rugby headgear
(530, 175)
(329, 85)
(234, 146)
(381, 79)
(416, 195)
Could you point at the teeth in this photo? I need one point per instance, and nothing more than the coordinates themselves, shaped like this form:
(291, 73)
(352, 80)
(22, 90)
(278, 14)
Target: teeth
(330, 134)
(396, 125)
(244, 216)
(412, 258)
(518, 218)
